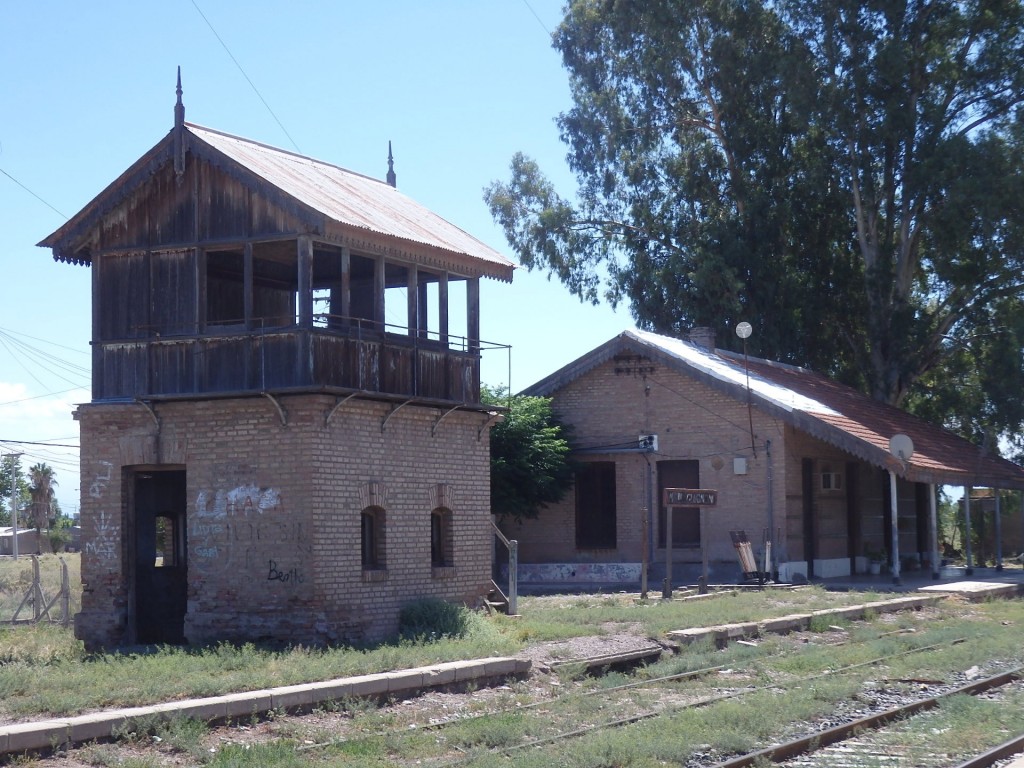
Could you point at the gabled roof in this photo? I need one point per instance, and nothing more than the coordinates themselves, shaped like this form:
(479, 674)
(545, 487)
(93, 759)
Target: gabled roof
(345, 201)
(829, 411)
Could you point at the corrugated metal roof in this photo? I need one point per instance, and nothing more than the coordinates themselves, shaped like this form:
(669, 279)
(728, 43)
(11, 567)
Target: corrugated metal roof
(810, 402)
(351, 199)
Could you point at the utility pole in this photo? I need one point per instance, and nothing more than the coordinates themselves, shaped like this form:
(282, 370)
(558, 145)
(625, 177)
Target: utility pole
(14, 500)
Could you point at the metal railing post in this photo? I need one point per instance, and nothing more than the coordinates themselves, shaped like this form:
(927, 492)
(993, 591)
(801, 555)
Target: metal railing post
(513, 577)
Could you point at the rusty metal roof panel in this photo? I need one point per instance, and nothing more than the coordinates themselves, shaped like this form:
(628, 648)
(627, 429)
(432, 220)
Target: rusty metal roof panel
(352, 199)
(812, 403)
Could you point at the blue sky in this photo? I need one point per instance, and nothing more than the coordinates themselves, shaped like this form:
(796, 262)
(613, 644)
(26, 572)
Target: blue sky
(457, 87)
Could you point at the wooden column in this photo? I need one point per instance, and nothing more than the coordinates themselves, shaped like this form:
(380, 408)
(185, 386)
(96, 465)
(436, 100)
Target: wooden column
(97, 330)
(412, 300)
(201, 290)
(346, 285)
(423, 321)
(248, 299)
(199, 276)
(304, 360)
(378, 294)
(252, 353)
(473, 314)
(442, 308)
(305, 281)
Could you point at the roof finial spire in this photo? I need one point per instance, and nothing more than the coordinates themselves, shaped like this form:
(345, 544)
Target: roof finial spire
(179, 108)
(179, 131)
(391, 166)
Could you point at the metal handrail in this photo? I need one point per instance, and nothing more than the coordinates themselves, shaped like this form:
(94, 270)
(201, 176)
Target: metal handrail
(513, 569)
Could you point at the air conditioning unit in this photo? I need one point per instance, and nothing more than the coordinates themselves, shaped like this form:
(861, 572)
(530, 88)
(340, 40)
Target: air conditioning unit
(831, 481)
(648, 442)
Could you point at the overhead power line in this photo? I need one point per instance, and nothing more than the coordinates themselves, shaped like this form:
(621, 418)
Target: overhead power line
(30, 357)
(45, 341)
(46, 394)
(542, 24)
(37, 197)
(38, 442)
(251, 84)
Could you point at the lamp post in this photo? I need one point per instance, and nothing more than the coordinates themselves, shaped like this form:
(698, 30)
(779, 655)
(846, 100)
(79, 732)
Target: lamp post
(14, 501)
(743, 330)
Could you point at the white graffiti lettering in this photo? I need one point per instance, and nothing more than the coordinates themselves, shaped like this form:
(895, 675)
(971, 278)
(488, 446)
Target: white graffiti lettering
(103, 544)
(101, 480)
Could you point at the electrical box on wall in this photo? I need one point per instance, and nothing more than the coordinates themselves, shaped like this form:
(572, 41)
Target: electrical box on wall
(648, 442)
(739, 465)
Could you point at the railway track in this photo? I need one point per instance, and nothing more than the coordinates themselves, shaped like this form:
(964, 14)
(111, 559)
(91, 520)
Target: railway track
(556, 720)
(857, 695)
(874, 740)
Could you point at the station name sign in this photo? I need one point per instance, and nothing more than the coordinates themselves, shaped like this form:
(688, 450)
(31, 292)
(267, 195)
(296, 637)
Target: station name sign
(690, 497)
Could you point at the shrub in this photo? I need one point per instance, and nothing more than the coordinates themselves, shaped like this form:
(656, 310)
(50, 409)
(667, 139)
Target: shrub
(433, 619)
(58, 538)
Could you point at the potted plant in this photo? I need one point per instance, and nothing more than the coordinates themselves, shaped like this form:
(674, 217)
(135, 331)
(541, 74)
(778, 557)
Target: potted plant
(875, 560)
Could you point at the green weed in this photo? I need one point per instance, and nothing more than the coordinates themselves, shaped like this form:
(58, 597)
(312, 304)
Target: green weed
(275, 754)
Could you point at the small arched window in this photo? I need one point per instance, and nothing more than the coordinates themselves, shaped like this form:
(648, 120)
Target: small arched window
(372, 538)
(442, 543)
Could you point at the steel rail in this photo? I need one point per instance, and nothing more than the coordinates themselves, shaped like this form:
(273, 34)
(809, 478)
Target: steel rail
(699, 703)
(994, 755)
(781, 752)
(679, 676)
(690, 674)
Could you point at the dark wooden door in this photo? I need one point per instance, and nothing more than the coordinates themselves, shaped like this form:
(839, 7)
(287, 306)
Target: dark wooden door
(161, 566)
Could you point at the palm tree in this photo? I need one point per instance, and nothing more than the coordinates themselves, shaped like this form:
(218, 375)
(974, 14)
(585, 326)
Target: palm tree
(42, 494)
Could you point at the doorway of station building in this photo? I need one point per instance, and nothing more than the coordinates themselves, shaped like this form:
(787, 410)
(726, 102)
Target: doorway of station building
(158, 555)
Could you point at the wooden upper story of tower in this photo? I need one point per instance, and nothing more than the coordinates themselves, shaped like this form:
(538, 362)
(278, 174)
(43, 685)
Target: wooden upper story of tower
(221, 265)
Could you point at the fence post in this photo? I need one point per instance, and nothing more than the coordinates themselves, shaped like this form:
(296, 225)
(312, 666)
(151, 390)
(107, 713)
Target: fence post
(37, 591)
(65, 594)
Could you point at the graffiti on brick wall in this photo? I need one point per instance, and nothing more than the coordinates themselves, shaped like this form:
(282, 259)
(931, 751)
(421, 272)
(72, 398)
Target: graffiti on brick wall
(246, 531)
(244, 500)
(291, 575)
(101, 480)
(104, 541)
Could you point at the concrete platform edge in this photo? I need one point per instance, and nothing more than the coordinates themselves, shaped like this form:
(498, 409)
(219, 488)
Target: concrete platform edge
(54, 732)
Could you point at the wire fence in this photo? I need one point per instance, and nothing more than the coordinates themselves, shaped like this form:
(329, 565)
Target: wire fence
(37, 589)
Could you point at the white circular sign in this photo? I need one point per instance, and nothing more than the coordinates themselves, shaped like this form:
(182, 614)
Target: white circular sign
(743, 330)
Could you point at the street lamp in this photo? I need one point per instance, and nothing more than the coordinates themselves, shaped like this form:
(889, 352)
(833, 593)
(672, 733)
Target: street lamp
(743, 330)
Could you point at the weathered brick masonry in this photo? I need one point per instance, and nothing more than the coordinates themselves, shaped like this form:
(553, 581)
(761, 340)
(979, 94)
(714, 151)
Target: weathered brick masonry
(793, 457)
(273, 513)
(285, 440)
(692, 421)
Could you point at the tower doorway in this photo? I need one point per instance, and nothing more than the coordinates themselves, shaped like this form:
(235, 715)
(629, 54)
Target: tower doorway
(160, 556)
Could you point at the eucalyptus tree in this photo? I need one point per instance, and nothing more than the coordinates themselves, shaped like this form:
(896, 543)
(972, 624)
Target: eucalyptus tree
(847, 176)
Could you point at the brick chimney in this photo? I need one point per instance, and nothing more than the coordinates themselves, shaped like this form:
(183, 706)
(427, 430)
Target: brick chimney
(704, 337)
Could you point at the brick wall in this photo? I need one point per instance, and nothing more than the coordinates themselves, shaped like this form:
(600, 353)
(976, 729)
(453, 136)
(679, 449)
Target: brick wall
(693, 422)
(273, 513)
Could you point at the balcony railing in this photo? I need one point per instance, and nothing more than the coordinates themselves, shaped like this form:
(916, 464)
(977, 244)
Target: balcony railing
(347, 353)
